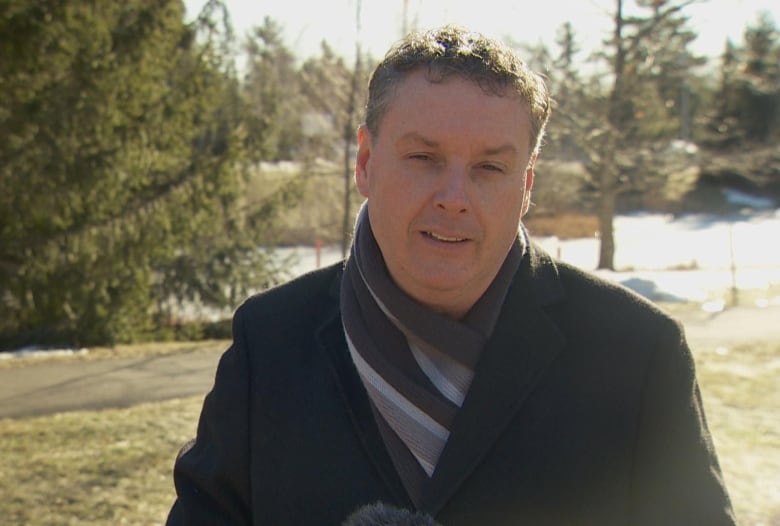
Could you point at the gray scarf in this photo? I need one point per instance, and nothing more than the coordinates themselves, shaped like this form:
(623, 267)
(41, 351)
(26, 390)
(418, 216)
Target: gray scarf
(416, 364)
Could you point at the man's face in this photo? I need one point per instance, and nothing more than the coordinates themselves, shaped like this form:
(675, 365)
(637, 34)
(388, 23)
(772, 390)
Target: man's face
(447, 177)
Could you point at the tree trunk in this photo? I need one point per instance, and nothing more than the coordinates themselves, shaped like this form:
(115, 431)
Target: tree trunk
(618, 102)
(618, 113)
(606, 217)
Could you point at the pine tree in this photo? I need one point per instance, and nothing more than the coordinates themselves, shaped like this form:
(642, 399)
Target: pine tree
(119, 156)
(748, 109)
(271, 92)
(743, 128)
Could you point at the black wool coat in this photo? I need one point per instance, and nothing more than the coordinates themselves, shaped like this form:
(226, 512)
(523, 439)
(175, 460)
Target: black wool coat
(584, 410)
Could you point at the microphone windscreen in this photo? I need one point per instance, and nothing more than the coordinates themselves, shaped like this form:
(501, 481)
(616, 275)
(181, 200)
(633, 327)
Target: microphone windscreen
(380, 514)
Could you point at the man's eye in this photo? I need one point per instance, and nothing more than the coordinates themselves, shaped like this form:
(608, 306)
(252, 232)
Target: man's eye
(492, 167)
(421, 157)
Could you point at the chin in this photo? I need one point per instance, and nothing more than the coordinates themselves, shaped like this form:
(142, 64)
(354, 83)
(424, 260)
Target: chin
(443, 281)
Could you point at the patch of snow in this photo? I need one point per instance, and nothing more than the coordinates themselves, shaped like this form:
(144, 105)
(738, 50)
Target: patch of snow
(713, 306)
(35, 351)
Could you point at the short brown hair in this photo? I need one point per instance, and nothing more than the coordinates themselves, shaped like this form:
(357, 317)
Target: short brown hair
(455, 51)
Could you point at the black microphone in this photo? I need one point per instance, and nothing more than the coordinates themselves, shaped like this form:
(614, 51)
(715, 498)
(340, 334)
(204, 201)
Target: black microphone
(380, 514)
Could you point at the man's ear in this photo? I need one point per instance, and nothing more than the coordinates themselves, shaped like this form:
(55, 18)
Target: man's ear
(361, 163)
(529, 184)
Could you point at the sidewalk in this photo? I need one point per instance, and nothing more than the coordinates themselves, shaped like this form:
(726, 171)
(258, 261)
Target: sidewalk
(733, 326)
(48, 388)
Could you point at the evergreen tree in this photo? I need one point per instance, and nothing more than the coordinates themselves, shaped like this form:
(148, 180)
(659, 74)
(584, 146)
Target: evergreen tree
(748, 99)
(571, 99)
(271, 93)
(118, 158)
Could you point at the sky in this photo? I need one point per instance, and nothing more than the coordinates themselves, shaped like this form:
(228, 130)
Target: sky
(307, 22)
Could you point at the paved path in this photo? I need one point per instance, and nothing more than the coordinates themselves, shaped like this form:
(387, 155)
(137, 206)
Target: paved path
(733, 326)
(65, 386)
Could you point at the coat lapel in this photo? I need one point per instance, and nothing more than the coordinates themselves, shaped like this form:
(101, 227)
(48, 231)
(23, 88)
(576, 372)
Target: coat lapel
(330, 338)
(524, 343)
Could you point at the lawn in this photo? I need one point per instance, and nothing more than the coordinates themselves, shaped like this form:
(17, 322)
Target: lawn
(89, 468)
(741, 389)
(114, 466)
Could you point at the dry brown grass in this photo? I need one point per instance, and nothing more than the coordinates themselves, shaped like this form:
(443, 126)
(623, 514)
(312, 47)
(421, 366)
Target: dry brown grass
(741, 390)
(93, 468)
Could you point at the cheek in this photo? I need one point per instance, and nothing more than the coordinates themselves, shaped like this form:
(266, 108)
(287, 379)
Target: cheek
(505, 211)
(505, 198)
(398, 190)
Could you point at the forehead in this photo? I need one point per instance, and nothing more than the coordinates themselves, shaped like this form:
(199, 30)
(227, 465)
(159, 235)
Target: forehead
(454, 105)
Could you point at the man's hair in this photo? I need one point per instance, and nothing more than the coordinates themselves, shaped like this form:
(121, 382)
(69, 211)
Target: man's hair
(379, 514)
(454, 51)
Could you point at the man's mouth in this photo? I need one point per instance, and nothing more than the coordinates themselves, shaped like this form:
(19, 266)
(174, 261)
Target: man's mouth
(446, 239)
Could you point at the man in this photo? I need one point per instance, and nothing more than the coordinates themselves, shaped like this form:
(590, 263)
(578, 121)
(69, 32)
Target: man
(450, 366)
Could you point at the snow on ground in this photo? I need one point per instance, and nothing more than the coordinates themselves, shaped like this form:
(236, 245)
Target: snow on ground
(689, 258)
(35, 351)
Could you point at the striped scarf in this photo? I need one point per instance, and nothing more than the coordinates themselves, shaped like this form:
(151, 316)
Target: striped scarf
(416, 364)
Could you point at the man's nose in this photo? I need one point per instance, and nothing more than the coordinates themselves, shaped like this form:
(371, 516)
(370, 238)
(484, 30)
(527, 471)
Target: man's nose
(452, 193)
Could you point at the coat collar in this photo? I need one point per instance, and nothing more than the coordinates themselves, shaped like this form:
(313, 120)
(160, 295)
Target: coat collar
(524, 343)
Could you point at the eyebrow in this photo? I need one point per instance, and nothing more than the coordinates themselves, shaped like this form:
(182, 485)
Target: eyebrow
(417, 138)
(504, 148)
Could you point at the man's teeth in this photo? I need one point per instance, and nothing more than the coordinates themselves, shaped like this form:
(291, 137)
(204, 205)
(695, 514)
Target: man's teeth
(445, 238)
